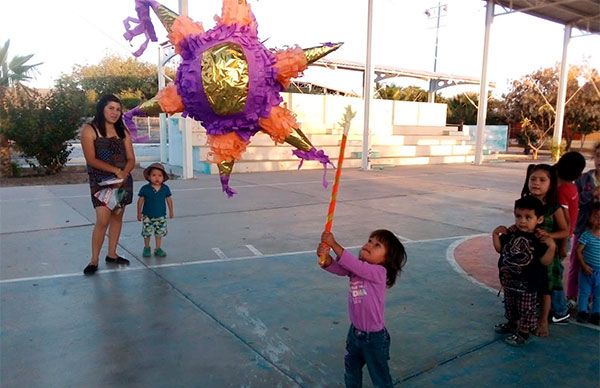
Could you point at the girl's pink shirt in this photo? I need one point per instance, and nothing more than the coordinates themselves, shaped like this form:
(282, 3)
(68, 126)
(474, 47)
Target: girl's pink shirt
(366, 293)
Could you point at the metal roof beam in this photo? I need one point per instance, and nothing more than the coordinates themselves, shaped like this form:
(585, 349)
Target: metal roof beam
(538, 5)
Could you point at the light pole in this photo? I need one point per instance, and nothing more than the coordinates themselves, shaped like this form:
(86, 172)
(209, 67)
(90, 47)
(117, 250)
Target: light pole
(435, 12)
(367, 90)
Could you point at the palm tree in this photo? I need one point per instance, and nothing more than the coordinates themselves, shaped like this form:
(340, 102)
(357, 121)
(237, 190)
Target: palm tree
(399, 93)
(12, 75)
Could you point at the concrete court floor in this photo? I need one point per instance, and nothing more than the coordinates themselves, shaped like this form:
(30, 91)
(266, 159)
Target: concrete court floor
(240, 301)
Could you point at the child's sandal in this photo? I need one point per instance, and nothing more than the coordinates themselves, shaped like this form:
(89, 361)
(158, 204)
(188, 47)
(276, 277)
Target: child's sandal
(158, 252)
(504, 328)
(515, 340)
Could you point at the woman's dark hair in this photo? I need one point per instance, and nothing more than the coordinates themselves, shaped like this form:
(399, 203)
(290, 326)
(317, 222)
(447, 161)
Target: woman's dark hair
(100, 122)
(395, 254)
(551, 195)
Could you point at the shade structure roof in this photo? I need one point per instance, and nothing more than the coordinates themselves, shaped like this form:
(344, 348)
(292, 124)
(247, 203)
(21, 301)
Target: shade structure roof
(384, 72)
(581, 14)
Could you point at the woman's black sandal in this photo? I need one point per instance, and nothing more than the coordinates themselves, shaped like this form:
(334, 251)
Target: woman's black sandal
(517, 339)
(504, 328)
(90, 269)
(118, 260)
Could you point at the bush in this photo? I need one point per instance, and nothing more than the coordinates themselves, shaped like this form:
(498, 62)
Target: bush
(130, 103)
(526, 136)
(42, 126)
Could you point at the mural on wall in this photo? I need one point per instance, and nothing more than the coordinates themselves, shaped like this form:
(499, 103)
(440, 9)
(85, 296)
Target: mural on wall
(495, 137)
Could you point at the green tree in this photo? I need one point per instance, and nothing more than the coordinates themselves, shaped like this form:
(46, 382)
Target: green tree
(399, 93)
(495, 112)
(583, 115)
(68, 84)
(463, 109)
(133, 81)
(13, 73)
(42, 126)
(532, 101)
(388, 92)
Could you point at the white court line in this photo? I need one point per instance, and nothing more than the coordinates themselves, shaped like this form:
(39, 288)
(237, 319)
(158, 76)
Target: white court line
(450, 258)
(66, 275)
(221, 259)
(465, 236)
(458, 268)
(219, 253)
(241, 186)
(402, 238)
(254, 250)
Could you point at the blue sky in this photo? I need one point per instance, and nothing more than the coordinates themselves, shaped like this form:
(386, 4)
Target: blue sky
(62, 33)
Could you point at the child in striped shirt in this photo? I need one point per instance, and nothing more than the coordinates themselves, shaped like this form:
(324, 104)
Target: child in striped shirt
(588, 254)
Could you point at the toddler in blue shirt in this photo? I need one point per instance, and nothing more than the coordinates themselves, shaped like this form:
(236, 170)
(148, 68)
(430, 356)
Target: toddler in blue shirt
(154, 198)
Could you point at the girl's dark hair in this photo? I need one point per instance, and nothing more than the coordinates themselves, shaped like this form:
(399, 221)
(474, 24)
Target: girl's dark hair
(100, 122)
(595, 207)
(552, 194)
(395, 254)
(570, 166)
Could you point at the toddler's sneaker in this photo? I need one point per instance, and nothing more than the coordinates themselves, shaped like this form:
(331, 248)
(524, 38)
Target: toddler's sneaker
(561, 320)
(147, 252)
(158, 252)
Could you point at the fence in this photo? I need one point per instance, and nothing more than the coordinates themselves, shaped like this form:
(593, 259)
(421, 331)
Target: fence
(148, 129)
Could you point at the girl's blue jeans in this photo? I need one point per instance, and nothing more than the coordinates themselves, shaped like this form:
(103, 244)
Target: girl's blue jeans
(559, 300)
(371, 348)
(589, 285)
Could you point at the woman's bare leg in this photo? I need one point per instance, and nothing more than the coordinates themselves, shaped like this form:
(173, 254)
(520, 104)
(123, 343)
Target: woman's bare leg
(99, 231)
(114, 232)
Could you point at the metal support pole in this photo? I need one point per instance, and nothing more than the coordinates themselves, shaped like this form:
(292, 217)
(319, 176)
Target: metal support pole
(185, 125)
(164, 152)
(431, 92)
(562, 94)
(438, 14)
(164, 155)
(183, 7)
(367, 91)
(483, 89)
(186, 135)
(148, 127)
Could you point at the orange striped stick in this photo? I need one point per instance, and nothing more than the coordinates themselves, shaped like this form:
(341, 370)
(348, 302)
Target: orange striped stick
(345, 123)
